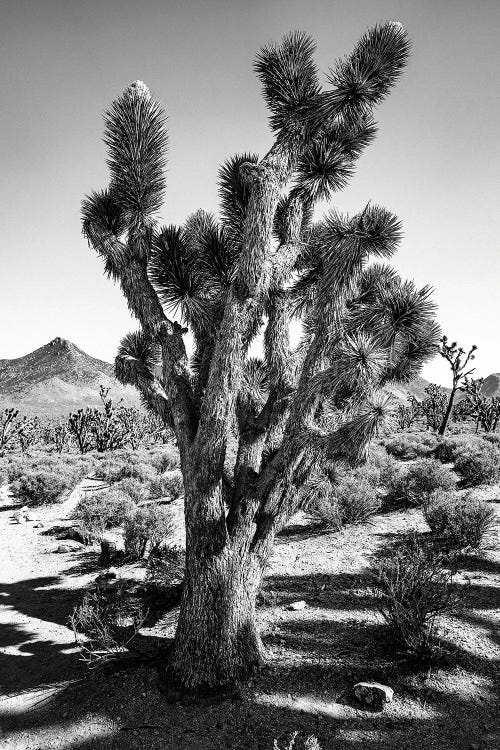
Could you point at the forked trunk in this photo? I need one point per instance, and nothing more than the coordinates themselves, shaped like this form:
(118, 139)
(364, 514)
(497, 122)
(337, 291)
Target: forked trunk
(216, 642)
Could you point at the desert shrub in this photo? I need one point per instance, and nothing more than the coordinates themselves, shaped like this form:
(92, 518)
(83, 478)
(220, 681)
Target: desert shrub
(310, 743)
(149, 527)
(169, 485)
(72, 467)
(409, 446)
(414, 587)
(166, 459)
(166, 567)
(462, 520)
(39, 487)
(384, 464)
(350, 499)
(479, 466)
(104, 627)
(102, 511)
(493, 438)
(125, 465)
(135, 489)
(414, 484)
(449, 449)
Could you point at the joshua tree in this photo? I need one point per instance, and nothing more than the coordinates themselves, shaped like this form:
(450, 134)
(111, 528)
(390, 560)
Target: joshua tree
(458, 361)
(485, 410)
(433, 407)
(251, 430)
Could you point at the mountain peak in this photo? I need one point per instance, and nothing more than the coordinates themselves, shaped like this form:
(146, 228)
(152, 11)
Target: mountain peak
(57, 377)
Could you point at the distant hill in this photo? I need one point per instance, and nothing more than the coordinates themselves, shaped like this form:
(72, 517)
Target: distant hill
(416, 388)
(58, 378)
(491, 385)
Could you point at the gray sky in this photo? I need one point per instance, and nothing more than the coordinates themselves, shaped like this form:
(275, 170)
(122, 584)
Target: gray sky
(435, 162)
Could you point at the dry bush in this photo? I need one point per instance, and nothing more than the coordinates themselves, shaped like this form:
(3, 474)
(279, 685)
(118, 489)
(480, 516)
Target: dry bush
(147, 529)
(105, 627)
(166, 567)
(310, 743)
(413, 485)
(169, 484)
(414, 587)
(102, 511)
(120, 465)
(409, 446)
(134, 488)
(478, 467)
(449, 449)
(165, 459)
(351, 498)
(38, 487)
(462, 520)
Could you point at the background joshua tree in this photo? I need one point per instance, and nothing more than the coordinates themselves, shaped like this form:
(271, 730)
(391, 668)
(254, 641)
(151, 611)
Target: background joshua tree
(458, 361)
(227, 280)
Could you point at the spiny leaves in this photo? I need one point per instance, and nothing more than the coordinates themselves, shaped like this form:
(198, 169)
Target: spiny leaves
(349, 242)
(290, 81)
(103, 223)
(233, 194)
(327, 163)
(136, 137)
(176, 277)
(364, 78)
(136, 359)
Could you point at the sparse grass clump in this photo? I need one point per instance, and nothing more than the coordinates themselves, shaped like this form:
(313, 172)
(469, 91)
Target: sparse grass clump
(461, 520)
(413, 485)
(147, 530)
(415, 586)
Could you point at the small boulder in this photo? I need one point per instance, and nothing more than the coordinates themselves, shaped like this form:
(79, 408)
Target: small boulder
(38, 525)
(19, 517)
(64, 548)
(297, 606)
(373, 694)
(108, 575)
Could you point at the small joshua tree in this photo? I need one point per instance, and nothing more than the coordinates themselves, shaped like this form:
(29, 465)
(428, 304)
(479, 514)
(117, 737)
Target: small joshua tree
(433, 407)
(458, 361)
(261, 264)
(485, 410)
(9, 428)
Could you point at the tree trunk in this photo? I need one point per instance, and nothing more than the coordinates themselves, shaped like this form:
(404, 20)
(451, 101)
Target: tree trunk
(446, 418)
(216, 642)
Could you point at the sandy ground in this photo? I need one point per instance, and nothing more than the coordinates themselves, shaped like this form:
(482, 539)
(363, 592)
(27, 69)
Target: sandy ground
(314, 655)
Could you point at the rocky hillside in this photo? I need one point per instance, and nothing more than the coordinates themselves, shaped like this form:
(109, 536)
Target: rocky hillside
(57, 378)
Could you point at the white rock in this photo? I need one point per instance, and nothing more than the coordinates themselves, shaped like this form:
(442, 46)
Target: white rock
(296, 606)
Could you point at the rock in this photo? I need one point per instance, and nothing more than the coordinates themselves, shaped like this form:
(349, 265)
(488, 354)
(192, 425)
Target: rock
(112, 547)
(109, 574)
(24, 510)
(19, 517)
(373, 694)
(38, 525)
(64, 548)
(296, 606)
